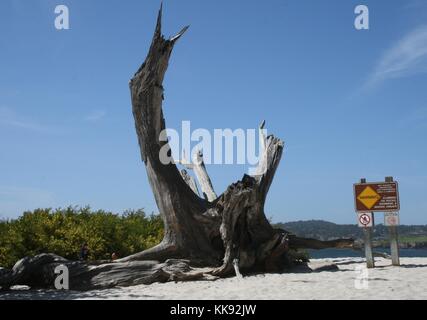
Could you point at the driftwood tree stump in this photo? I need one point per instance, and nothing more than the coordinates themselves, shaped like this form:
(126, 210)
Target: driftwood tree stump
(205, 237)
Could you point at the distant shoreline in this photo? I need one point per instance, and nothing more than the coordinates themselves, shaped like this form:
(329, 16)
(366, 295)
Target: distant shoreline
(410, 236)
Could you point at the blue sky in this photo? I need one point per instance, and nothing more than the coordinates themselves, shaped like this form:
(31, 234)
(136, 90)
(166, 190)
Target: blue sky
(348, 104)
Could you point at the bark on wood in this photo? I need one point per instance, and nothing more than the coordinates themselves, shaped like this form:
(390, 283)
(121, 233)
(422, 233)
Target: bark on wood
(199, 168)
(189, 181)
(203, 237)
(203, 177)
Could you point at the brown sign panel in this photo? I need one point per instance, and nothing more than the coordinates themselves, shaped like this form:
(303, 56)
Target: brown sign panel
(376, 197)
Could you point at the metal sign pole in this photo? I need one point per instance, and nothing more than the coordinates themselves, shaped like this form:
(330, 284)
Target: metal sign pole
(367, 231)
(394, 244)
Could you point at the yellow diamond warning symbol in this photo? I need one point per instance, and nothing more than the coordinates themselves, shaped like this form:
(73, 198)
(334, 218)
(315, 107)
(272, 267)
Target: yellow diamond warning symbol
(369, 197)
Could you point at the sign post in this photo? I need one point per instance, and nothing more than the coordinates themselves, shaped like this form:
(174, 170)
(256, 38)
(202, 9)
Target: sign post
(378, 197)
(392, 221)
(370, 262)
(366, 221)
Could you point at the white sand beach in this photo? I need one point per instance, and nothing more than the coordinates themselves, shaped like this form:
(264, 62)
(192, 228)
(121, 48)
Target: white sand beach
(385, 282)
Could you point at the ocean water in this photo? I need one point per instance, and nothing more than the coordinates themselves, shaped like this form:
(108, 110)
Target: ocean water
(343, 253)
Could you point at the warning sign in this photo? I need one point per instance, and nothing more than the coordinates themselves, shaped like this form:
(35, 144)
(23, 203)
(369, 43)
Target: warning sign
(365, 220)
(369, 197)
(374, 197)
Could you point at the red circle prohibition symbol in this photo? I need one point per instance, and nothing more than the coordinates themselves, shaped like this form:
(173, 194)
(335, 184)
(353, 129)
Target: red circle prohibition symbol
(392, 220)
(365, 219)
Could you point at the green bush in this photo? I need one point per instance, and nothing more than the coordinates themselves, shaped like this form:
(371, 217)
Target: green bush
(63, 231)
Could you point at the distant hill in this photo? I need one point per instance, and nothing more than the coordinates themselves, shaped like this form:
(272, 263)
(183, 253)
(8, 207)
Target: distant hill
(324, 230)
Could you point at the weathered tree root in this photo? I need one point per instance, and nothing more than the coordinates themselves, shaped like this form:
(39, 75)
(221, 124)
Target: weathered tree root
(205, 237)
(39, 272)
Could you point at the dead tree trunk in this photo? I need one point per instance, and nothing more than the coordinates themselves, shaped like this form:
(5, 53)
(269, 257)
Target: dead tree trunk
(212, 231)
(204, 237)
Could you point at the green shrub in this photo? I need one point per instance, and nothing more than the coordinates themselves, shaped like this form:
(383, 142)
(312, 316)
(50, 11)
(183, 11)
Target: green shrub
(63, 231)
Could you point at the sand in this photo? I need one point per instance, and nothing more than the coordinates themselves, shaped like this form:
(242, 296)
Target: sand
(350, 281)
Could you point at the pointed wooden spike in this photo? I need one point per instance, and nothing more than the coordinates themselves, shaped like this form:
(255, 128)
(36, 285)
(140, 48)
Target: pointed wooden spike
(158, 31)
(179, 34)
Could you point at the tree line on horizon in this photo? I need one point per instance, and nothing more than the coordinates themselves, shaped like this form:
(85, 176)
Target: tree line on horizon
(324, 230)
